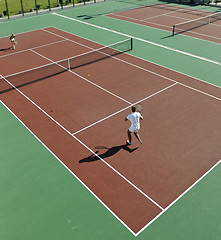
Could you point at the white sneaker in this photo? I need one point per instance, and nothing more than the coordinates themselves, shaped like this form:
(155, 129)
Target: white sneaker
(128, 142)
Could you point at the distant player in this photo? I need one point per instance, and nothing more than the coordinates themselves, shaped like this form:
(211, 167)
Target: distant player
(134, 118)
(12, 39)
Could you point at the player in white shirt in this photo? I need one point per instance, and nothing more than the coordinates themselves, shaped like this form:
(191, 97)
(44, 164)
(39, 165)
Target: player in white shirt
(134, 118)
(12, 39)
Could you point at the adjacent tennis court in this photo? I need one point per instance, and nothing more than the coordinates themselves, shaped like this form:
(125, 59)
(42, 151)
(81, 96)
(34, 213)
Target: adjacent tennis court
(194, 23)
(66, 169)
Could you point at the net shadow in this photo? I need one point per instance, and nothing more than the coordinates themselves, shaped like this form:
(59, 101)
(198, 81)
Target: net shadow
(31, 76)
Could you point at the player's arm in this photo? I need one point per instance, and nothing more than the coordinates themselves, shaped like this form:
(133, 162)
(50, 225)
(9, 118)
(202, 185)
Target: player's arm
(141, 117)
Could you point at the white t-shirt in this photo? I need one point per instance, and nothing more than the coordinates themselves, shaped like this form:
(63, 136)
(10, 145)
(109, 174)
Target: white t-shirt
(134, 117)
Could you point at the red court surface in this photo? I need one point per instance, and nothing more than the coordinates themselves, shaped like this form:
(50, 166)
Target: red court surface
(164, 17)
(79, 115)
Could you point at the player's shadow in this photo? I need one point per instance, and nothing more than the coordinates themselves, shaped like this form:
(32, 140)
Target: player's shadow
(110, 152)
(4, 49)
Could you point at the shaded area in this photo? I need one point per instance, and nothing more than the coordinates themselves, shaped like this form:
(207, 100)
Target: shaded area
(29, 77)
(192, 24)
(5, 49)
(21, 79)
(109, 153)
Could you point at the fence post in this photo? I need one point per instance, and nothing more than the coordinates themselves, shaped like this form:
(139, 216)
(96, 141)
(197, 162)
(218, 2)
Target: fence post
(36, 6)
(61, 3)
(6, 5)
(22, 9)
(49, 4)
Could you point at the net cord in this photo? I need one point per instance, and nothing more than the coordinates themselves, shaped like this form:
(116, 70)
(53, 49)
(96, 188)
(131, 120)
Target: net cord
(68, 59)
(175, 26)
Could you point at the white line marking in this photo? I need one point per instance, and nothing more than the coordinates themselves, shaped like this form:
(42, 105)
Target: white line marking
(159, 75)
(128, 181)
(194, 78)
(160, 15)
(48, 44)
(209, 95)
(84, 78)
(143, 40)
(70, 170)
(124, 109)
(168, 27)
(123, 99)
(118, 173)
(70, 40)
(113, 93)
(122, 175)
(187, 190)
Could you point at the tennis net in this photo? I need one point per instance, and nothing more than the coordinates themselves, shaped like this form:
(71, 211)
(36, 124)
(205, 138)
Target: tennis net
(192, 24)
(33, 75)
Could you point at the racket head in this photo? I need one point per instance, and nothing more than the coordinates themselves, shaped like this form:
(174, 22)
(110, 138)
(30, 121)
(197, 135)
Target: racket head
(139, 107)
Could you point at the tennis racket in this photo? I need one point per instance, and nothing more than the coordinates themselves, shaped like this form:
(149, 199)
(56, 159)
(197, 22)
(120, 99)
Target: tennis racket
(139, 107)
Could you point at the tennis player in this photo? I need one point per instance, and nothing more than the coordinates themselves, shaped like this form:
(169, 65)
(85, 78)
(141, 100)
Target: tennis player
(134, 118)
(12, 39)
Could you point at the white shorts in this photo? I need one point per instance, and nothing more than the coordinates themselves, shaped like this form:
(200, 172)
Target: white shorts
(133, 129)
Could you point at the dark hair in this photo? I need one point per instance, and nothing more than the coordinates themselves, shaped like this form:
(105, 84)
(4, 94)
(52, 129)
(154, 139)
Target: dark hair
(133, 109)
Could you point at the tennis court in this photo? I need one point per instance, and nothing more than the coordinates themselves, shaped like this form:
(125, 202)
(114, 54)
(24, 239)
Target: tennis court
(194, 23)
(66, 169)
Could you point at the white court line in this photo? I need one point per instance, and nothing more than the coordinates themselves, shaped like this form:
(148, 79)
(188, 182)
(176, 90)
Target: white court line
(84, 78)
(48, 44)
(209, 95)
(69, 170)
(160, 15)
(144, 69)
(140, 39)
(124, 109)
(111, 115)
(163, 210)
(23, 32)
(70, 40)
(118, 173)
(208, 83)
(116, 95)
(121, 221)
(170, 28)
(187, 190)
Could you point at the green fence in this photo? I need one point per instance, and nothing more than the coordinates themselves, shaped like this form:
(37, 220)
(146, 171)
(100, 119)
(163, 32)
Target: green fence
(22, 7)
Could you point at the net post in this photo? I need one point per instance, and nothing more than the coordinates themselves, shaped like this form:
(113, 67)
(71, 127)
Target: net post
(131, 44)
(69, 66)
(173, 32)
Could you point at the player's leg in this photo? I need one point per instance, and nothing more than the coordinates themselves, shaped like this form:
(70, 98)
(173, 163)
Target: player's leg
(13, 45)
(138, 137)
(129, 137)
